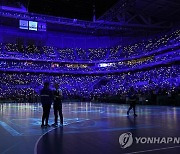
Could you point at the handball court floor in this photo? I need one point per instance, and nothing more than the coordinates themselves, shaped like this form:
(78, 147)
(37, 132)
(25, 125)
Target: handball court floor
(89, 128)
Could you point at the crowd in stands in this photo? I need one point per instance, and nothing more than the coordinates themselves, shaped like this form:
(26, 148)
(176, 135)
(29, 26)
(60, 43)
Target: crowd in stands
(142, 48)
(151, 67)
(50, 66)
(159, 81)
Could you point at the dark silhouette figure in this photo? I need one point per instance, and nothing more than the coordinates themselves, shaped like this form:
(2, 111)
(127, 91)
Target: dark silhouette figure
(46, 100)
(132, 99)
(57, 105)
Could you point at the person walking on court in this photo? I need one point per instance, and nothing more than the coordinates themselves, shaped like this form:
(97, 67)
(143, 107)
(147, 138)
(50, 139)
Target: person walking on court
(132, 99)
(57, 105)
(46, 100)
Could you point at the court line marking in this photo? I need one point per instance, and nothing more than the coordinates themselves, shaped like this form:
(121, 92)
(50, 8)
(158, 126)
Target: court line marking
(36, 144)
(9, 129)
(153, 150)
(10, 148)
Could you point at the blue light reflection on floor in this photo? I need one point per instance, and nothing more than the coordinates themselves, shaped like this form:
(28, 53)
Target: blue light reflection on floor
(25, 119)
(9, 129)
(22, 121)
(33, 126)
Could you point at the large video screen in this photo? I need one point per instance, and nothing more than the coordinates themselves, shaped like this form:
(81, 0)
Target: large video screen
(23, 24)
(33, 25)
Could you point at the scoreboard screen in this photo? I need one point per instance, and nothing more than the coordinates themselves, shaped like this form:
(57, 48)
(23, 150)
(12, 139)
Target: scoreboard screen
(23, 24)
(32, 25)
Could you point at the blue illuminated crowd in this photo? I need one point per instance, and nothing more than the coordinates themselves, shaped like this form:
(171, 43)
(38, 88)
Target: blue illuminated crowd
(169, 56)
(145, 47)
(150, 66)
(89, 87)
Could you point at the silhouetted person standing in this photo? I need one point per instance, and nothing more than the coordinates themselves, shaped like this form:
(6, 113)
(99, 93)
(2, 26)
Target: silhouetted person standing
(46, 100)
(132, 99)
(57, 105)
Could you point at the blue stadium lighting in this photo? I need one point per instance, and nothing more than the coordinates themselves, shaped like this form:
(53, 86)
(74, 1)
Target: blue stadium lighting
(68, 85)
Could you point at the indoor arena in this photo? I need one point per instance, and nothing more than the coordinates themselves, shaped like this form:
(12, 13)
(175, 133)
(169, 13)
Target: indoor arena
(89, 76)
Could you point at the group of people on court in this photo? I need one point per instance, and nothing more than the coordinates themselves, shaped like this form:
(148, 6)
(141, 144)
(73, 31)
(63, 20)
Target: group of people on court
(48, 97)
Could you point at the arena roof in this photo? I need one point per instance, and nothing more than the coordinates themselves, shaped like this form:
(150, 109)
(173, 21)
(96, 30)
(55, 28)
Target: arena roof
(79, 9)
(144, 11)
(157, 10)
(151, 14)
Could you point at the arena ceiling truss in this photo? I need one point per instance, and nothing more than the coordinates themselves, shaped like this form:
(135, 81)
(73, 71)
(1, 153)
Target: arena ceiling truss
(151, 13)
